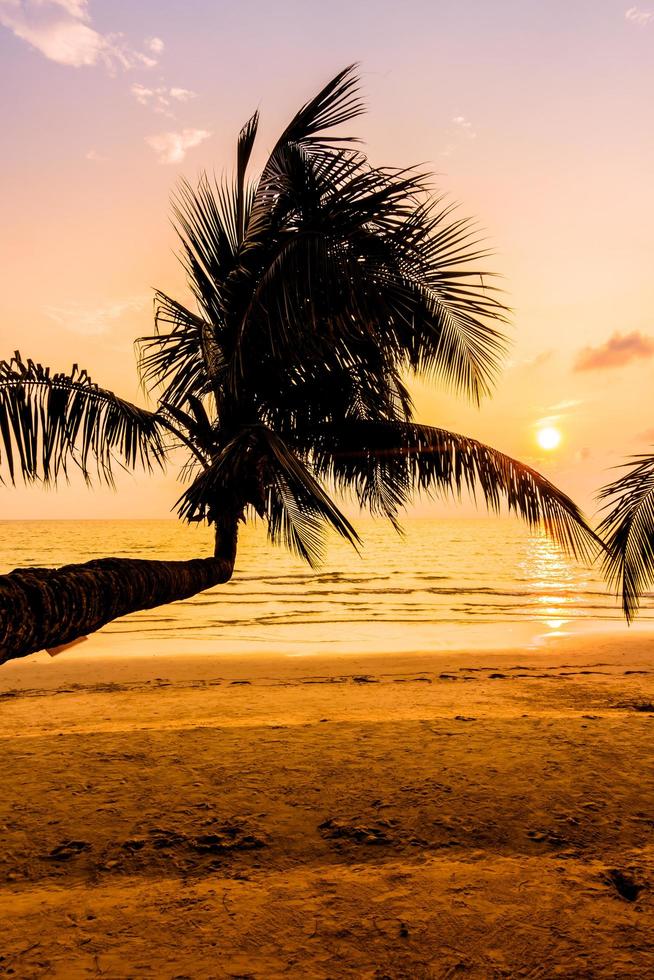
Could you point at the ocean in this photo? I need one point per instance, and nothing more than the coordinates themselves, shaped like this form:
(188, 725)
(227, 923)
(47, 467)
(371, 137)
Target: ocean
(443, 585)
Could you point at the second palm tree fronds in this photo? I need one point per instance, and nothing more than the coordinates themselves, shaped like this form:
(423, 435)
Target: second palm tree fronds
(628, 532)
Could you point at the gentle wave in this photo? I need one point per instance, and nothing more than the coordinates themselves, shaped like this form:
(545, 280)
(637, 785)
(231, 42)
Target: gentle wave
(401, 593)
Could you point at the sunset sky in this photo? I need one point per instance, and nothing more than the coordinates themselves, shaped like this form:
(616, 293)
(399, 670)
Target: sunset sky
(536, 116)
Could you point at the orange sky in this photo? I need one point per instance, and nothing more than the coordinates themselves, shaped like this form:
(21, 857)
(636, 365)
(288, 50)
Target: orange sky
(536, 116)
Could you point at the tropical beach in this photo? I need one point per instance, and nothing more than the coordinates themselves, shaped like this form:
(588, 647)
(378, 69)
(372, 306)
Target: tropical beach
(326, 500)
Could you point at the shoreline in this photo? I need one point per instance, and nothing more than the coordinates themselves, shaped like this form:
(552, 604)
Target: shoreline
(348, 639)
(107, 658)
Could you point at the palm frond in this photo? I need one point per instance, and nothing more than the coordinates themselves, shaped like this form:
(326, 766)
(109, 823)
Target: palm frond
(360, 252)
(298, 507)
(245, 144)
(307, 133)
(48, 420)
(205, 218)
(259, 468)
(174, 363)
(628, 532)
(336, 103)
(386, 463)
(455, 309)
(455, 344)
(197, 434)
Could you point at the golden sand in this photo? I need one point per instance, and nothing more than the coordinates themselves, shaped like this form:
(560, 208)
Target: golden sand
(454, 815)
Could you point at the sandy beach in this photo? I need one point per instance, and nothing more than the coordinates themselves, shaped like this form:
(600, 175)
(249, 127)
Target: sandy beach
(327, 490)
(486, 815)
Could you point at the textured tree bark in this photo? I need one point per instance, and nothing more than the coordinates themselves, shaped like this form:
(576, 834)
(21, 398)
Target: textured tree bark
(42, 608)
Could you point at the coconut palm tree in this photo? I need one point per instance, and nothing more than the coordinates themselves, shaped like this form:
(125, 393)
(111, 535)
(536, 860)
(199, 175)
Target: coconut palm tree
(628, 532)
(321, 287)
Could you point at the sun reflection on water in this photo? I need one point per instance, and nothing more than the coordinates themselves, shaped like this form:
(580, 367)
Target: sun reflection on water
(552, 582)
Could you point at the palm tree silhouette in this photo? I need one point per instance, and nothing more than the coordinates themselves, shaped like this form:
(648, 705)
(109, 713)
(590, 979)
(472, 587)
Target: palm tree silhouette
(320, 287)
(628, 532)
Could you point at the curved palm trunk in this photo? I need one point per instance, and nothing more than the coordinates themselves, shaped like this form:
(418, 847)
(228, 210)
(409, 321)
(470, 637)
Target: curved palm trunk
(42, 608)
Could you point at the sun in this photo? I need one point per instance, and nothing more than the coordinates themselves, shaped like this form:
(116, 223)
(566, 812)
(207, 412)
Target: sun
(548, 438)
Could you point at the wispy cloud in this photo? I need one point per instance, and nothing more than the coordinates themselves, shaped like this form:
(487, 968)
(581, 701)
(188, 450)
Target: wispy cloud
(155, 45)
(638, 16)
(461, 127)
(62, 31)
(565, 406)
(162, 98)
(173, 147)
(546, 420)
(182, 94)
(91, 321)
(619, 349)
(465, 126)
(76, 8)
(530, 363)
(561, 410)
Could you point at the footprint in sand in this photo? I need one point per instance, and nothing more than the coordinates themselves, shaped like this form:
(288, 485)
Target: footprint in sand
(414, 680)
(643, 706)
(376, 833)
(625, 883)
(546, 837)
(69, 849)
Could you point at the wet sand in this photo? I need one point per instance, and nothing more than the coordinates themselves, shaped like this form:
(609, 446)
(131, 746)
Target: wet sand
(449, 815)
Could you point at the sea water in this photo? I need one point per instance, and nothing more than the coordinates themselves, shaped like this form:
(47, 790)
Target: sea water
(444, 584)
